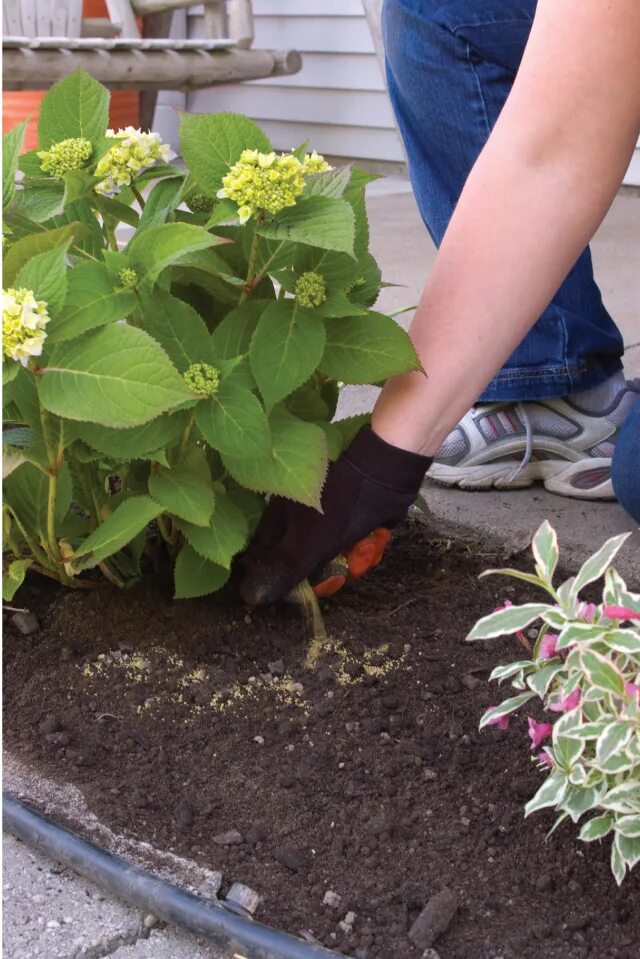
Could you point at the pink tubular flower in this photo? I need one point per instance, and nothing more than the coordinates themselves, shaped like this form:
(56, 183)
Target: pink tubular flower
(569, 702)
(632, 689)
(587, 612)
(620, 612)
(507, 603)
(538, 732)
(548, 646)
(502, 722)
(544, 757)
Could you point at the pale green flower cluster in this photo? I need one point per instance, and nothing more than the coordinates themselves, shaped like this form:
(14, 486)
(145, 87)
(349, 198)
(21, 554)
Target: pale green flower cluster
(267, 181)
(128, 278)
(23, 324)
(136, 151)
(202, 378)
(65, 156)
(311, 290)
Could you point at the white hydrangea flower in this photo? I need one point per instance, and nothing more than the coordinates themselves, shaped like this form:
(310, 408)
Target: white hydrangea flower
(136, 151)
(23, 324)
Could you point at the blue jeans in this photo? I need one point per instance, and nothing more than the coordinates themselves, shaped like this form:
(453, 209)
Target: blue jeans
(625, 473)
(450, 67)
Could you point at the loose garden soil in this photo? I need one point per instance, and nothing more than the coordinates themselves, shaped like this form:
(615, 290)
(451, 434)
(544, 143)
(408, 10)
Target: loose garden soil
(353, 766)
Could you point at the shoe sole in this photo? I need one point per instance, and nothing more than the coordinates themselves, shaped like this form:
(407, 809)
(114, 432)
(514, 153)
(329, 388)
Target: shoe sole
(588, 479)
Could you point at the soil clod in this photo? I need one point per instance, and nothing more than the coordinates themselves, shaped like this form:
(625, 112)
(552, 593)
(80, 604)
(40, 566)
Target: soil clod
(434, 919)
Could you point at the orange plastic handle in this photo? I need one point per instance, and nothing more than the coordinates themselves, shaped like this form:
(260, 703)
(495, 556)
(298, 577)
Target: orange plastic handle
(362, 557)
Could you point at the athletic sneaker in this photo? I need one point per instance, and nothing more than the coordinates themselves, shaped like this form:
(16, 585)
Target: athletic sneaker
(554, 441)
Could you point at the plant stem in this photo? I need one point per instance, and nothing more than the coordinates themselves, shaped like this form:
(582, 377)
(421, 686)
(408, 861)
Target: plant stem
(251, 268)
(138, 195)
(164, 529)
(110, 235)
(108, 573)
(186, 435)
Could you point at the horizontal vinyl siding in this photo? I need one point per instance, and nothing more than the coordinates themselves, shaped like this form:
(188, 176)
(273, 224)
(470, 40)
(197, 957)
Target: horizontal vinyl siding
(338, 100)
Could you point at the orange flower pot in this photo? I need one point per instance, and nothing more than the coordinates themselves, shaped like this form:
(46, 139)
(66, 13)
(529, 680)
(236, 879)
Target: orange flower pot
(20, 105)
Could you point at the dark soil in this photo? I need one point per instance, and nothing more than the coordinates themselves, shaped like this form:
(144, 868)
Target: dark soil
(364, 775)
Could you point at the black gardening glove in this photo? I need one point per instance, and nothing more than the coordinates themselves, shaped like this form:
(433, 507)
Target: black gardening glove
(371, 485)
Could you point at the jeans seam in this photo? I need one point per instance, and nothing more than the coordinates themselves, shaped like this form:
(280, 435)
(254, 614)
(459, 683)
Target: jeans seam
(488, 23)
(479, 88)
(552, 371)
(565, 342)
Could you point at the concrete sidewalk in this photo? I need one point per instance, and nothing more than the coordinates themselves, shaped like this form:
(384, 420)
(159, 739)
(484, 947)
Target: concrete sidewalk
(52, 914)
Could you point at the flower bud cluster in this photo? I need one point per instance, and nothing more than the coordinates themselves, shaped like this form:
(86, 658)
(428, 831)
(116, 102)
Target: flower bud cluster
(67, 155)
(202, 378)
(310, 289)
(23, 324)
(135, 152)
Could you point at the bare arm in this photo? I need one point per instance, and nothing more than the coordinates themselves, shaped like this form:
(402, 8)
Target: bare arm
(556, 156)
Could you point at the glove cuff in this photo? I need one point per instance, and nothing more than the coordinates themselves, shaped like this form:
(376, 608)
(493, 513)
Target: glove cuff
(385, 464)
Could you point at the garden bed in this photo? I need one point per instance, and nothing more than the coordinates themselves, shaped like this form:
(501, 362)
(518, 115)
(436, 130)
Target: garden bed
(353, 766)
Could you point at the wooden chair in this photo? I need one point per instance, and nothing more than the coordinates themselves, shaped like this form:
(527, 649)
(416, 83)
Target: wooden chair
(44, 40)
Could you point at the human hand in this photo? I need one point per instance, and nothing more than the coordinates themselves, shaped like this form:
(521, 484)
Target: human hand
(371, 485)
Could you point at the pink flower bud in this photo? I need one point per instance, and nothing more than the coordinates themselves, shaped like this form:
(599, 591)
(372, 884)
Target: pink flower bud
(587, 612)
(544, 757)
(632, 689)
(548, 646)
(538, 732)
(502, 722)
(507, 603)
(569, 702)
(620, 612)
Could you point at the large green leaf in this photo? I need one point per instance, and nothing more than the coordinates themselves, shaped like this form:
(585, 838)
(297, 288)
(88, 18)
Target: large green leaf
(234, 422)
(162, 201)
(126, 521)
(366, 349)
(296, 467)
(41, 200)
(177, 327)
(330, 183)
(325, 222)
(117, 376)
(196, 576)
(92, 301)
(150, 251)
(77, 106)
(118, 211)
(26, 493)
(13, 579)
(232, 338)
(212, 142)
(224, 536)
(136, 442)
(46, 275)
(183, 493)
(11, 147)
(286, 348)
(22, 250)
(92, 242)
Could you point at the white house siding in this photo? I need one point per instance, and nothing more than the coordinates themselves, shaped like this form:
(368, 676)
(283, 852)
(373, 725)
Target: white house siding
(338, 100)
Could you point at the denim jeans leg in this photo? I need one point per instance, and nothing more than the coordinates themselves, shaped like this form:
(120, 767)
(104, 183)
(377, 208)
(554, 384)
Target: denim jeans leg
(450, 68)
(625, 473)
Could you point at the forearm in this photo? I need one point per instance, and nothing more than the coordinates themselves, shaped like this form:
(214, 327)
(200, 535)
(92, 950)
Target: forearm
(532, 202)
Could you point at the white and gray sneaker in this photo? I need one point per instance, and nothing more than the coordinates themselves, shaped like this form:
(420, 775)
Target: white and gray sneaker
(554, 441)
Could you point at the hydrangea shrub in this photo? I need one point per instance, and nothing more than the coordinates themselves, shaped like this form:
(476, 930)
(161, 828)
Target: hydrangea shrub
(585, 669)
(161, 380)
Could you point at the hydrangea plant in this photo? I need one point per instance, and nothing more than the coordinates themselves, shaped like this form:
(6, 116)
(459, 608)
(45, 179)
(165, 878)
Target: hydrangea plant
(585, 668)
(174, 338)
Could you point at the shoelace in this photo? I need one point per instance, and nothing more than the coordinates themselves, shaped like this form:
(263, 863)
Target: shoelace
(524, 416)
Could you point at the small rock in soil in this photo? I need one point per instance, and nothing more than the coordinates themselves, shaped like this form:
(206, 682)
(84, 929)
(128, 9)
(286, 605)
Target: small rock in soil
(244, 896)
(229, 838)
(26, 623)
(430, 954)
(291, 858)
(434, 919)
(331, 899)
(255, 835)
(469, 681)
(183, 813)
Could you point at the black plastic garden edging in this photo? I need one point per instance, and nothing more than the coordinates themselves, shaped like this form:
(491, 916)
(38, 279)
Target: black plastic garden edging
(241, 937)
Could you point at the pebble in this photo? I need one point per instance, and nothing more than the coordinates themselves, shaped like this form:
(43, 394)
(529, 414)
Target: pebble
(150, 921)
(229, 838)
(26, 622)
(259, 740)
(430, 954)
(434, 919)
(469, 681)
(331, 899)
(244, 896)
(53, 924)
(255, 835)
(347, 923)
(292, 859)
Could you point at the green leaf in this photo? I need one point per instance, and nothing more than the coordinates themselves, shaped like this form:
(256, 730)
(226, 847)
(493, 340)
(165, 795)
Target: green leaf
(330, 183)
(545, 550)
(92, 242)
(78, 184)
(601, 673)
(367, 349)
(319, 221)
(117, 376)
(177, 328)
(297, 466)
(505, 621)
(224, 536)
(540, 681)
(135, 443)
(515, 574)
(580, 800)
(108, 206)
(596, 828)
(285, 349)
(629, 849)
(579, 633)
(623, 641)
(551, 793)
(13, 578)
(150, 251)
(183, 494)
(224, 211)
(92, 301)
(613, 740)
(26, 493)
(77, 106)
(41, 200)
(210, 143)
(46, 275)
(195, 576)
(350, 426)
(24, 249)
(232, 336)
(234, 423)
(624, 798)
(504, 709)
(127, 520)
(161, 202)
(596, 565)
(11, 147)
(628, 826)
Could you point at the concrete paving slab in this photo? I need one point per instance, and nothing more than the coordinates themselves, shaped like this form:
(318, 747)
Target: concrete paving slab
(50, 912)
(169, 944)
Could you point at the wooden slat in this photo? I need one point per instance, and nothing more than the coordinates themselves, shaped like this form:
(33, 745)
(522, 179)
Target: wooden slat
(44, 18)
(100, 27)
(58, 19)
(28, 11)
(120, 11)
(74, 17)
(12, 18)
